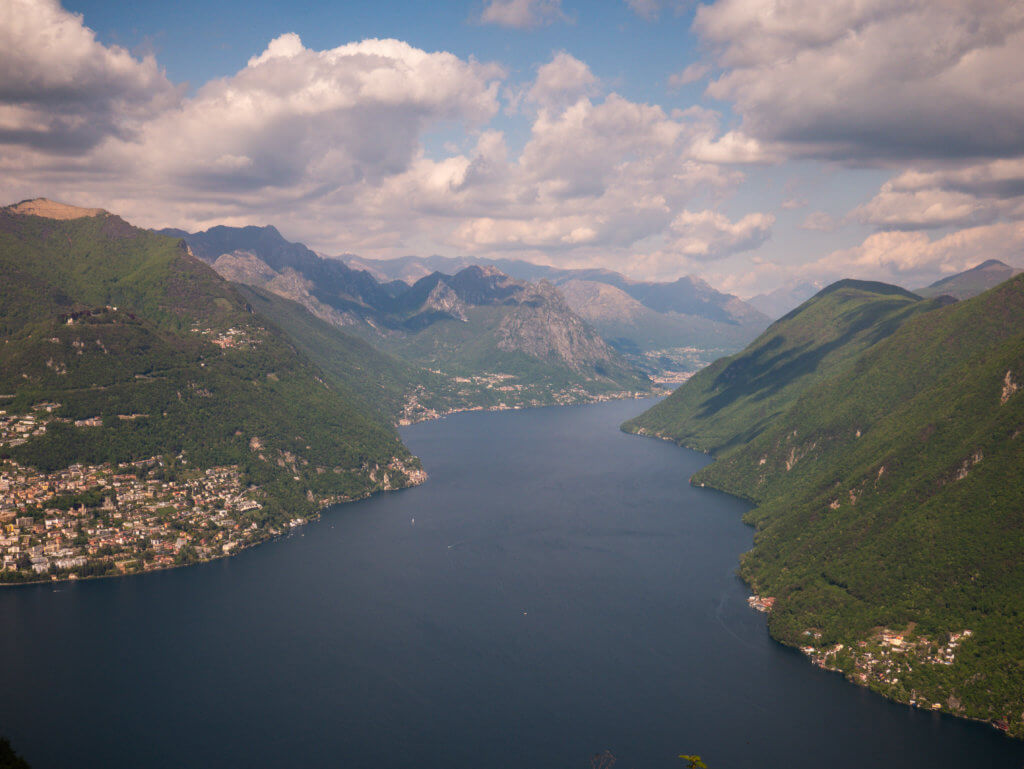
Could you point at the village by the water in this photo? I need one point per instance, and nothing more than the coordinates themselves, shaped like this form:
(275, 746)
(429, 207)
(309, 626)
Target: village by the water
(885, 660)
(100, 520)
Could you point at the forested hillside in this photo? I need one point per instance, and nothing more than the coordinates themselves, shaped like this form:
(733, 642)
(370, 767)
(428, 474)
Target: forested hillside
(124, 354)
(887, 484)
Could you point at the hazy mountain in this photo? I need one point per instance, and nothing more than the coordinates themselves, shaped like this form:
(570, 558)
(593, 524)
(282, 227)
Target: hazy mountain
(479, 324)
(687, 295)
(668, 330)
(777, 303)
(971, 282)
(482, 323)
(879, 435)
(667, 345)
(329, 280)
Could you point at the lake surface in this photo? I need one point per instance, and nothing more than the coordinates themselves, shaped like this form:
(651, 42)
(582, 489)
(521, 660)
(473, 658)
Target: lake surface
(554, 590)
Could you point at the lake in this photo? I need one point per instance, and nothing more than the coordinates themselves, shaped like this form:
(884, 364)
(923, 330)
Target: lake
(555, 590)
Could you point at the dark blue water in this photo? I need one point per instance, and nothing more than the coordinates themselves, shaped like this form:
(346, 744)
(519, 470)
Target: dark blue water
(561, 592)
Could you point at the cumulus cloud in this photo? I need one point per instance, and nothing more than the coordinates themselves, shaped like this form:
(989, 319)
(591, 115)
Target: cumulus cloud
(522, 14)
(872, 80)
(960, 196)
(329, 144)
(914, 259)
(562, 81)
(922, 209)
(733, 147)
(319, 119)
(708, 235)
(63, 91)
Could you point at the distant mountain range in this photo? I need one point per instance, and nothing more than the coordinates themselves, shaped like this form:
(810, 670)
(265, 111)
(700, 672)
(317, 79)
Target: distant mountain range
(880, 436)
(496, 340)
(666, 329)
(971, 282)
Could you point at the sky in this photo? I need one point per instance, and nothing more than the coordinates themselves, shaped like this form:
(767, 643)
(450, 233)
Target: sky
(754, 143)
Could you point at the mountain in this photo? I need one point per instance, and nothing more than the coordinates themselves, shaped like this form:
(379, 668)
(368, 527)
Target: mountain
(502, 336)
(888, 498)
(669, 346)
(124, 353)
(686, 296)
(668, 330)
(972, 282)
(734, 399)
(480, 337)
(330, 281)
(777, 303)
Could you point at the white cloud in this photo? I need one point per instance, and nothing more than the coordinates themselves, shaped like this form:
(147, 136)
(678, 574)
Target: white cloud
(960, 195)
(913, 259)
(708, 235)
(522, 14)
(733, 147)
(922, 209)
(873, 80)
(329, 146)
(61, 90)
(691, 74)
(316, 119)
(562, 81)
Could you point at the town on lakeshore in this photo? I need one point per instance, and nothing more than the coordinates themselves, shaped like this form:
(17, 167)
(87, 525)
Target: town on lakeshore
(99, 520)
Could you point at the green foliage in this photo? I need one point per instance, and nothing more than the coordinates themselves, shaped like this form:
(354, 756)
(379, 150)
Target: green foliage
(731, 401)
(380, 382)
(140, 354)
(888, 492)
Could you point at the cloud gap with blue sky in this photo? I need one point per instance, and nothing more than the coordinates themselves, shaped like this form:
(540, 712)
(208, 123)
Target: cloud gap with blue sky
(755, 143)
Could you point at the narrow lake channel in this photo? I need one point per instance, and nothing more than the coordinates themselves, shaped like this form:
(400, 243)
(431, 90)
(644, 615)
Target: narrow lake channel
(556, 589)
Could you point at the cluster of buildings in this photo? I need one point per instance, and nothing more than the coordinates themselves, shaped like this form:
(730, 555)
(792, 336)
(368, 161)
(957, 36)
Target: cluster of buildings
(91, 520)
(887, 659)
(17, 428)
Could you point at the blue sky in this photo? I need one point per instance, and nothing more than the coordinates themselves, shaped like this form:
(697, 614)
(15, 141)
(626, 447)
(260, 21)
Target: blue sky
(751, 142)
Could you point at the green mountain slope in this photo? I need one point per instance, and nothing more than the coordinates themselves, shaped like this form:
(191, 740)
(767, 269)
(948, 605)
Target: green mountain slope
(971, 282)
(396, 391)
(153, 359)
(732, 400)
(889, 512)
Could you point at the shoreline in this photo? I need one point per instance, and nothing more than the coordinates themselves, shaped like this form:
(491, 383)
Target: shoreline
(416, 478)
(820, 657)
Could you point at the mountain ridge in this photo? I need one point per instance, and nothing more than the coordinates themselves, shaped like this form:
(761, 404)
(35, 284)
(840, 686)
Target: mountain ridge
(887, 499)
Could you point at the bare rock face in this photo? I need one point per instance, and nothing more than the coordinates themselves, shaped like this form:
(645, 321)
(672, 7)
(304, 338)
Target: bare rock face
(247, 268)
(597, 302)
(244, 267)
(443, 299)
(542, 325)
